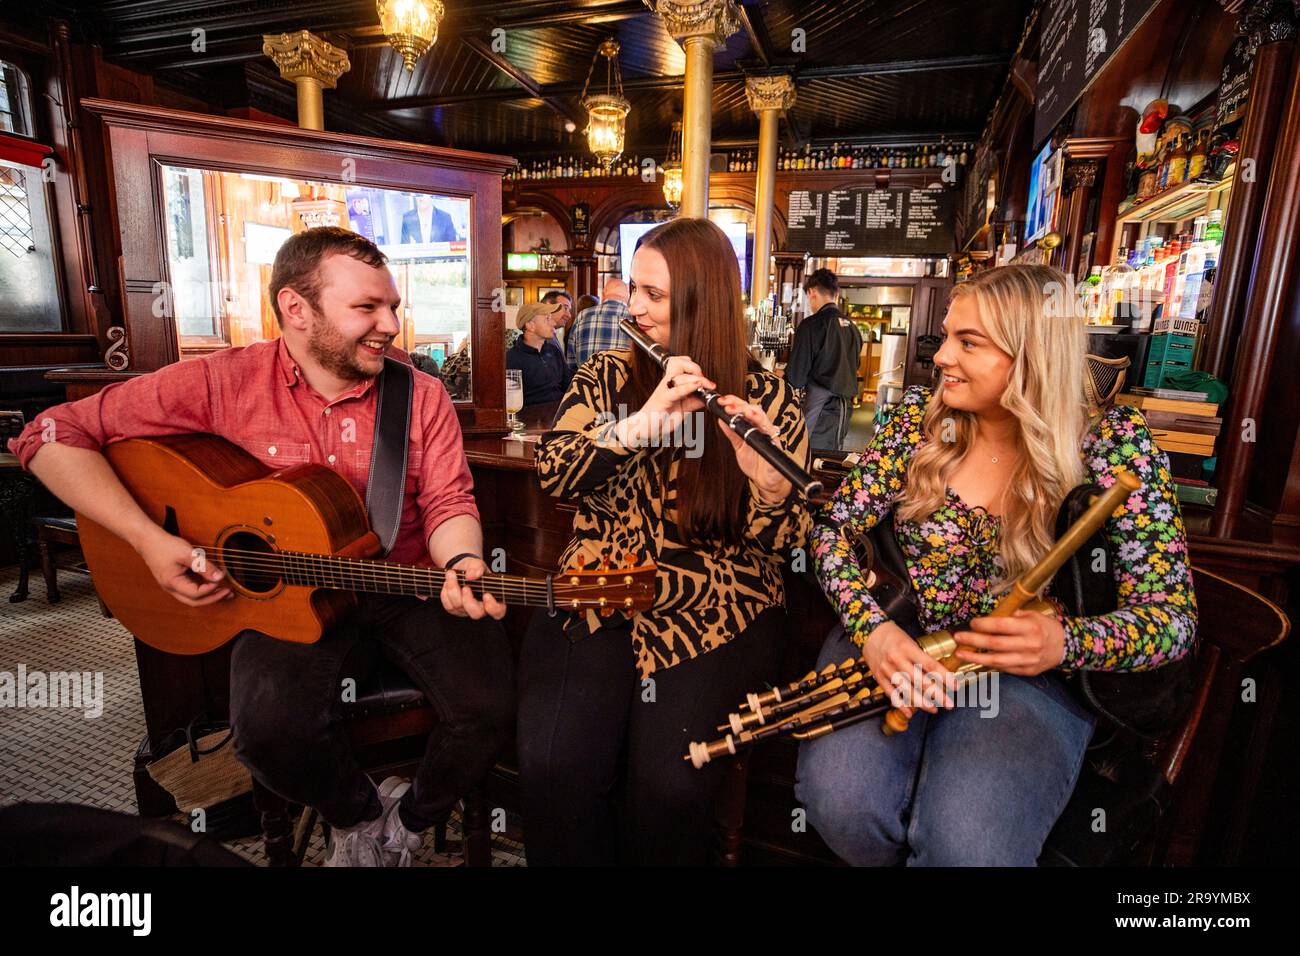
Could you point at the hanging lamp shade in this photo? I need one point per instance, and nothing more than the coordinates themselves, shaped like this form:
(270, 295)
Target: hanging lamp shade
(606, 112)
(411, 26)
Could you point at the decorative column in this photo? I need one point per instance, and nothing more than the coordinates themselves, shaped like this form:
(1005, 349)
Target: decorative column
(699, 27)
(1079, 178)
(313, 65)
(1270, 28)
(1277, 252)
(768, 97)
(582, 268)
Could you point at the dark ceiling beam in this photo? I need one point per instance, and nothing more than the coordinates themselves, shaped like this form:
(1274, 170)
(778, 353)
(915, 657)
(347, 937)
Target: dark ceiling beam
(157, 30)
(561, 107)
(676, 82)
(756, 30)
(147, 31)
(973, 61)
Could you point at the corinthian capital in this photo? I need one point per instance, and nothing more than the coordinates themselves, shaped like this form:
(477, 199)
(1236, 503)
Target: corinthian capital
(715, 19)
(303, 54)
(769, 92)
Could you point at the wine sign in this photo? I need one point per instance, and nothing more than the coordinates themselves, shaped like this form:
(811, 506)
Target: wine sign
(864, 221)
(1078, 38)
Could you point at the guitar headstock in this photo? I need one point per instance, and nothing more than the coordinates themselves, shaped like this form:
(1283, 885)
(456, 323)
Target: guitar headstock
(606, 588)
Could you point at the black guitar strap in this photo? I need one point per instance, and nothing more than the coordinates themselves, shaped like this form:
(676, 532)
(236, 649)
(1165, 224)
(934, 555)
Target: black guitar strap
(387, 483)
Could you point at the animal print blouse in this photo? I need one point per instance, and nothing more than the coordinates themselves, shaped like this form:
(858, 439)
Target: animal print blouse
(628, 506)
(952, 556)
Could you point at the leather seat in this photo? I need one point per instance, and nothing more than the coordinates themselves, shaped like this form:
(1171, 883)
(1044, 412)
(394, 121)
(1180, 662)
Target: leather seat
(383, 689)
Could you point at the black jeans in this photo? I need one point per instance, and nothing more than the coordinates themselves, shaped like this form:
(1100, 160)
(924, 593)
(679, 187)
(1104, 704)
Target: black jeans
(593, 735)
(285, 702)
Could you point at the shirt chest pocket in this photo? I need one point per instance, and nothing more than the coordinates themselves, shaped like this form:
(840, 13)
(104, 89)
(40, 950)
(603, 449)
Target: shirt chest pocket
(277, 454)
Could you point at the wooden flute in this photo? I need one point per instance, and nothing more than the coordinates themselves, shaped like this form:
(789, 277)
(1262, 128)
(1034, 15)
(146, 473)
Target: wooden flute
(750, 433)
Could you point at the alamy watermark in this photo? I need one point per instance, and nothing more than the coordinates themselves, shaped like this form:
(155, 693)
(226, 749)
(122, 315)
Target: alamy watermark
(978, 689)
(73, 690)
(654, 430)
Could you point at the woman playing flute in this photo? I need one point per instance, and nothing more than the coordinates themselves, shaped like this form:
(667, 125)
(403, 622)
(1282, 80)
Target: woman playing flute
(975, 472)
(607, 706)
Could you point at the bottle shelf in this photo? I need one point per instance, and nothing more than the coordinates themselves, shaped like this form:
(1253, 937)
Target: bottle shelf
(1184, 200)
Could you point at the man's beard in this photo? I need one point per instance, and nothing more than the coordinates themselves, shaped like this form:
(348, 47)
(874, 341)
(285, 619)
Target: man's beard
(336, 354)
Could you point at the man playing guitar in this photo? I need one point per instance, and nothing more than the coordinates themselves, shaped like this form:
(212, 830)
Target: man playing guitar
(311, 396)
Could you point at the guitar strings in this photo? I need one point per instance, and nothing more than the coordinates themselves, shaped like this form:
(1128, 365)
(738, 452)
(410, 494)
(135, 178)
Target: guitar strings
(430, 581)
(374, 571)
(343, 571)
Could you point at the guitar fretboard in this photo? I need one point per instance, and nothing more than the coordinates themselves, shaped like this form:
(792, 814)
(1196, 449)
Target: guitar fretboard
(369, 575)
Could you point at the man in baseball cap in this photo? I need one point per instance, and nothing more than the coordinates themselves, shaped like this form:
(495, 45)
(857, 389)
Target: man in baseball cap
(546, 374)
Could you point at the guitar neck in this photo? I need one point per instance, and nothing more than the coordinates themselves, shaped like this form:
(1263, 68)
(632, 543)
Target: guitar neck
(385, 577)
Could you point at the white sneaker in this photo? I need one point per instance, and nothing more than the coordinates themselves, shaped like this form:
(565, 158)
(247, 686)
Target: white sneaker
(396, 843)
(356, 845)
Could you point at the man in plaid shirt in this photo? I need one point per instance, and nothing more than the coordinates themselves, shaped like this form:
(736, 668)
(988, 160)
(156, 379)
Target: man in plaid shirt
(597, 329)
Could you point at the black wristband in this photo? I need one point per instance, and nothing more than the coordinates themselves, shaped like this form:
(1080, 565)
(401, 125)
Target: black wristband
(463, 554)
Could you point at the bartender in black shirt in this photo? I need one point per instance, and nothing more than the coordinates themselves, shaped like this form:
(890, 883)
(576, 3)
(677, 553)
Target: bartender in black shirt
(546, 374)
(824, 362)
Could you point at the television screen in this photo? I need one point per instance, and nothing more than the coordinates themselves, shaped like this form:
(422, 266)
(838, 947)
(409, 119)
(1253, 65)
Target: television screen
(1044, 187)
(630, 232)
(409, 227)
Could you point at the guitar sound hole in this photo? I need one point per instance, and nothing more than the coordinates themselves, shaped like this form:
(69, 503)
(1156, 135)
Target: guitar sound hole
(251, 562)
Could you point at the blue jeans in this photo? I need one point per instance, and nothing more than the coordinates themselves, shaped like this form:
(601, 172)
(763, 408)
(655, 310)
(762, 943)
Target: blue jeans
(958, 788)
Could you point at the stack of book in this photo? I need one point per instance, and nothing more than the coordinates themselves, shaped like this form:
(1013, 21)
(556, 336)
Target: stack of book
(1185, 426)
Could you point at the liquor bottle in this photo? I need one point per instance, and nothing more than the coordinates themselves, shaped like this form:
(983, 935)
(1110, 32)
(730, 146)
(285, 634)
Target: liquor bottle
(1177, 171)
(1162, 170)
(1214, 229)
(1093, 305)
(1196, 162)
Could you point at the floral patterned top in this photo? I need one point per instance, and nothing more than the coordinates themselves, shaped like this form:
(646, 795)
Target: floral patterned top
(952, 556)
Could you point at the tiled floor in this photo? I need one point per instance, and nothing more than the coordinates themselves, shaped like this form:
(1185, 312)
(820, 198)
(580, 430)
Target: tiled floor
(61, 755)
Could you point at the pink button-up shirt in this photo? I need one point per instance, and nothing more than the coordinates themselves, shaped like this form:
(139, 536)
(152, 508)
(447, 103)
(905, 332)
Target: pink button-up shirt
(257, 398)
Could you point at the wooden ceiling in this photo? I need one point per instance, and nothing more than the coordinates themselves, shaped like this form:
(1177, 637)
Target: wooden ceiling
(882, 71)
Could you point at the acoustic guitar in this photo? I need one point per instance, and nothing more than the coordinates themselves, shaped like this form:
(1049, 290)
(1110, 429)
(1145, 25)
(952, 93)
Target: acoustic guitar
(295, 545)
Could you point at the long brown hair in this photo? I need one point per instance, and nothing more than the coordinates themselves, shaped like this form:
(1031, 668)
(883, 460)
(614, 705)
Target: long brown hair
(708, 324)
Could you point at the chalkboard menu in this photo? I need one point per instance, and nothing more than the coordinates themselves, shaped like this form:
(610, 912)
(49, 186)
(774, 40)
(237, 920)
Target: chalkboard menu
(1234, 82)
(864, 221)
(1077, 38)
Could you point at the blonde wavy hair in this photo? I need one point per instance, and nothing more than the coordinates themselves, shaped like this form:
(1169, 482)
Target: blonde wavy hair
(1028, 312)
